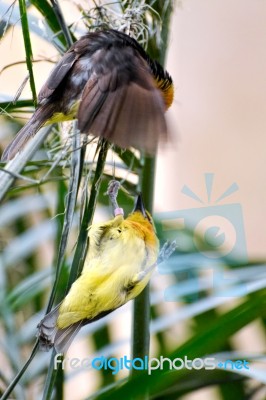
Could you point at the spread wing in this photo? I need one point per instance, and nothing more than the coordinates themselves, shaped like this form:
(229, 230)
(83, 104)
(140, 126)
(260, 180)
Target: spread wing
(62, 70)
(57, 75)
(121, 102)
(105, 73)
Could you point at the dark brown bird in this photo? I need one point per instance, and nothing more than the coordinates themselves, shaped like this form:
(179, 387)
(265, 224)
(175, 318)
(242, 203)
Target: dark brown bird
(109, 83)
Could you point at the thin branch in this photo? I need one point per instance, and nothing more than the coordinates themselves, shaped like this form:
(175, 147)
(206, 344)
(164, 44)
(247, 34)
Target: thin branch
(13, 167)
(70, 208)
(17, 378)
(82, 243)
(62, 22)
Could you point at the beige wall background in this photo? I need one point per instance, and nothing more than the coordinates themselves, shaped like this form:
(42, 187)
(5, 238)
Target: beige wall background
(217, 57)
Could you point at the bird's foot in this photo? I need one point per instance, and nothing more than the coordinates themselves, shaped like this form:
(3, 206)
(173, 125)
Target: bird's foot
(166, 251)
(112, 192)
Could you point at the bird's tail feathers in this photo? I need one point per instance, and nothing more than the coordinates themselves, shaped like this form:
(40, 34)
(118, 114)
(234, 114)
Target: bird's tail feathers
(50, 335)
(64, 337)
(47, 329)
(38, 119)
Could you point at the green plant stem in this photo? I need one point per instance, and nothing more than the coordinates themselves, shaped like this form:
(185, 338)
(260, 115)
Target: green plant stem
(141, 313)
(141, 310)
(81, 249)
(17, 378)
(62, 22)
(55, 377)
(51, 378)
(82, 243)
(69, 213)
(27, 45)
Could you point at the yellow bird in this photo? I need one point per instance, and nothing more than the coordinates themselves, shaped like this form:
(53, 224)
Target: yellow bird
(122, 254)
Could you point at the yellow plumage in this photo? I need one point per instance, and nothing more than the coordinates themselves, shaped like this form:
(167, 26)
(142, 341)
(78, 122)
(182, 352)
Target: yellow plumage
(119, 250)
(122, 254)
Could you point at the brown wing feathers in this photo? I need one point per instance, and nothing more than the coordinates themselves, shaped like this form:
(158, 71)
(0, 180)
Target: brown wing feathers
(57, 75)
(114, 82)
(124, 105)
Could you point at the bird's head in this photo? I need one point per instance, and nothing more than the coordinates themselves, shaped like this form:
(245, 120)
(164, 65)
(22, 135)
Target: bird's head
(141, 221)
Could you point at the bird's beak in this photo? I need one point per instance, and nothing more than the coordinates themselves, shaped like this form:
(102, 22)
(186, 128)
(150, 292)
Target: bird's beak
(139, 206)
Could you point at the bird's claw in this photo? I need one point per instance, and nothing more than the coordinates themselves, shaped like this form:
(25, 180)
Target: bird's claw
(166, 251)
(112, 192)
(113, 188)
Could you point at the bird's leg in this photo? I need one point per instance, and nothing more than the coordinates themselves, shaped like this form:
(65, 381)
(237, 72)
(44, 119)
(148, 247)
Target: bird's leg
(165, 252)
(112, 191)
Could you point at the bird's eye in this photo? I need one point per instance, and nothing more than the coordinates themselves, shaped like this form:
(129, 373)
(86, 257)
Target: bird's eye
(119, 230)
